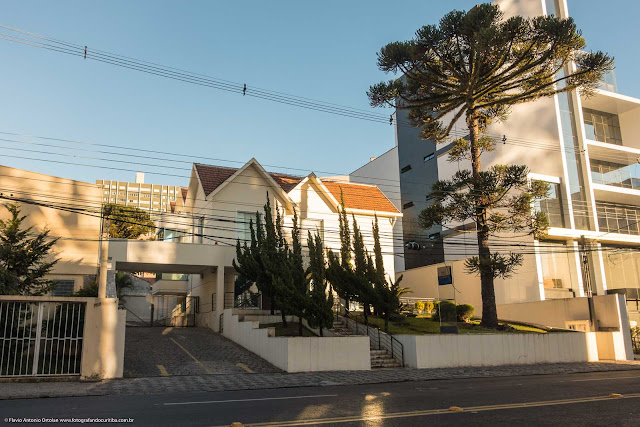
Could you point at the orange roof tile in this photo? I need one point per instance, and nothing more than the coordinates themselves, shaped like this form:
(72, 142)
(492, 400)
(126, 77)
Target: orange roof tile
(360, 196)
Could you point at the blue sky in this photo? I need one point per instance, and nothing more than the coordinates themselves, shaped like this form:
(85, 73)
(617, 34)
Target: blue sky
(321, 50)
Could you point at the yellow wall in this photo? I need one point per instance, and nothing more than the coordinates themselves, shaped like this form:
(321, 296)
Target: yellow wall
(78, 246)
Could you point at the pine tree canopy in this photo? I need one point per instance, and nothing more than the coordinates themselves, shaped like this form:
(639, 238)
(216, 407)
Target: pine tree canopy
(477, 63)
(25, 256)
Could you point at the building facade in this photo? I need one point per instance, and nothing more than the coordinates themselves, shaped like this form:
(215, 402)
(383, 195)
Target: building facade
(152, 198)
(70, 210)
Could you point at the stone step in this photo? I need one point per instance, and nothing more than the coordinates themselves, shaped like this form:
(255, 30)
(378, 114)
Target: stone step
(385, 366)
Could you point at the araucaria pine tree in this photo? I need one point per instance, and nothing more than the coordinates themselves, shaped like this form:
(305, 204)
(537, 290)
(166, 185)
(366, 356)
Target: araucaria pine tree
(475, 66)
(25, 256)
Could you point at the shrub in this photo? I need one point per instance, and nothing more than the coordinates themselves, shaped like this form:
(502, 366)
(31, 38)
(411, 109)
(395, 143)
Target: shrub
(429, 306)
(395, 317)
(447, 311)
(419, 305)
(464, 312)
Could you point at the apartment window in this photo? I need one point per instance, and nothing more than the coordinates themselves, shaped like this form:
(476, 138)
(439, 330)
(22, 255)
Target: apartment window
(556, 270)
(601, 126)
(405, 169)
(618, 218)
(621, 267)
(552, 206)
(407, 205)
(64, 288)
(243, 220)
(429, 157)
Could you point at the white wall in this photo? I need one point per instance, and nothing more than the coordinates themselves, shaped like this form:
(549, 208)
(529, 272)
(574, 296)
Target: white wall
(312, 205)
(384, 173)
(299, 354)
(522, 286)
(444, 350)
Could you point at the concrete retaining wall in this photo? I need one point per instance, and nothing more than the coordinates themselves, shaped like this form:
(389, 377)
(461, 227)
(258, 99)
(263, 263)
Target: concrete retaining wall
(299, 354)
(443, 351)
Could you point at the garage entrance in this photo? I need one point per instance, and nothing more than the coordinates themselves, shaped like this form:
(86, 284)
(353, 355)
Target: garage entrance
(170, 351)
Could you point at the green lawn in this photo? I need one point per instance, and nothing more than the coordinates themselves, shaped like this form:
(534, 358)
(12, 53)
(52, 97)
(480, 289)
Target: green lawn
(425, 325)
(291, 330)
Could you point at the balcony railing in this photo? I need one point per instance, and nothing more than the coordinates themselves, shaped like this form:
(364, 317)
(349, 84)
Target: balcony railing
(625, 176)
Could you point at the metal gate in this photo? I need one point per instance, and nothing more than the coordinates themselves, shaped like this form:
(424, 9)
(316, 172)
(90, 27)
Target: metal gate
(41, 338)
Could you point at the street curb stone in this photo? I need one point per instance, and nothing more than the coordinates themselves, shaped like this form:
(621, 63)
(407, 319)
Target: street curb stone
(247, 381)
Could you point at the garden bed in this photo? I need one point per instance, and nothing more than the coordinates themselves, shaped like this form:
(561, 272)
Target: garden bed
(424, 324)
(291, 330)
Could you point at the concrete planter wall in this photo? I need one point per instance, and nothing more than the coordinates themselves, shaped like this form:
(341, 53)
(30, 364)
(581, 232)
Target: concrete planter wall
(299, 354)
(443, 351)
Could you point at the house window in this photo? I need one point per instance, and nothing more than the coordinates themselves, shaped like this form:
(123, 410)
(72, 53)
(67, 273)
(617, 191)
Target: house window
(429, 157)
(405, 169)
(64, 288)
(407, 205)
(243, 220)
(311, 226)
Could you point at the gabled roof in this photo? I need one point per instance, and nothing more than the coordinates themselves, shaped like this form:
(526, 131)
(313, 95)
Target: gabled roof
(360, 196)
(212, 177)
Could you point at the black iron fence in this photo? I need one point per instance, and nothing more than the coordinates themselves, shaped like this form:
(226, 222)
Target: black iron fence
(41, 338)
(247, 300)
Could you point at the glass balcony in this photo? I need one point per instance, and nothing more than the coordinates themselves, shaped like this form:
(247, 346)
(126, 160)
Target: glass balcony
(619, 175)
(618, 218)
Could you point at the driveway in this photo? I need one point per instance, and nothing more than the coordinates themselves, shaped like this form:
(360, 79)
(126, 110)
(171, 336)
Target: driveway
(160, 351)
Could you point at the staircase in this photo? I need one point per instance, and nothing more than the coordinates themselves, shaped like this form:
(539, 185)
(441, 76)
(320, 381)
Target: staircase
(340, 329)
(382, 359)
(379, 358)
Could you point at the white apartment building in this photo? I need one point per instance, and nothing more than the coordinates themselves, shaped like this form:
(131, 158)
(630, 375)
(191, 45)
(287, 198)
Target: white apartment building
(587, 149)
(153, 198)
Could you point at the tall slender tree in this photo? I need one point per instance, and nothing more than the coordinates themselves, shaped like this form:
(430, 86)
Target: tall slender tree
(321, 299)
(475, 66)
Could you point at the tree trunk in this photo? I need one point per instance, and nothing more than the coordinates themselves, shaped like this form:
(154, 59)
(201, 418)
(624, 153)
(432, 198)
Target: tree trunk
(272, 305)
(300, 325)
(284, 318)
(489, 310)
(321, 334)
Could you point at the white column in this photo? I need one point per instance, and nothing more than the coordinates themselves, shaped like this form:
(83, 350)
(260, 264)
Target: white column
(219, 294)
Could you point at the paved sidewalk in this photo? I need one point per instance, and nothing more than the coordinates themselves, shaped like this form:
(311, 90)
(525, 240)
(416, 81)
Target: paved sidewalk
(247, 381)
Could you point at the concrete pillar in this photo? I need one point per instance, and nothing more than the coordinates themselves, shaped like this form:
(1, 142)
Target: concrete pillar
(219, 295)
(104, 265)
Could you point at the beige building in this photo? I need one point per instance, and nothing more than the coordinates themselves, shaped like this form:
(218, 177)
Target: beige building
(53, 203)
(149, 197)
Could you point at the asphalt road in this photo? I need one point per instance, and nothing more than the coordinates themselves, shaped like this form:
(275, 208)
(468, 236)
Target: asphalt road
(576, 399)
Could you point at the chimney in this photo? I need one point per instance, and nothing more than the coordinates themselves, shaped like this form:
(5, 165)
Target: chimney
(371, 159)
(139, 177)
